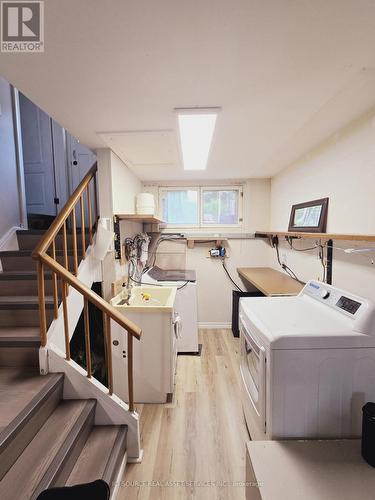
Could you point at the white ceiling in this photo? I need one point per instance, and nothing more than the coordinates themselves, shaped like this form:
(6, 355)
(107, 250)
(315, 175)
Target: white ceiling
(286, 73)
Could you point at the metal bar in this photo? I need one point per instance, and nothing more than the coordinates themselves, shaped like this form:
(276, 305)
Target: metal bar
(329, 261)
(42, 305)
(66, 320)
(74, 237)
(107, 336)
(54, 281)
(90, 212)
(130, 373)
(87, 337)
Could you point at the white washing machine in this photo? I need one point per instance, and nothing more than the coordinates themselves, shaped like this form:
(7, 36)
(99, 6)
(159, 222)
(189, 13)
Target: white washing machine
(307, 363)
(185, 303)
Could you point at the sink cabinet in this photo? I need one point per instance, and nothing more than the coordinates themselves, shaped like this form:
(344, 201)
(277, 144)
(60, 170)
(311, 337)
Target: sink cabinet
(155, 356)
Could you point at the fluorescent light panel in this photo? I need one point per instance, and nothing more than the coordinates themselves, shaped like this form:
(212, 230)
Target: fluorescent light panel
(197, 127)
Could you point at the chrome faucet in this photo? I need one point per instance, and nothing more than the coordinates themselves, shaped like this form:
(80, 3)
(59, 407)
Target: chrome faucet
(127, 291)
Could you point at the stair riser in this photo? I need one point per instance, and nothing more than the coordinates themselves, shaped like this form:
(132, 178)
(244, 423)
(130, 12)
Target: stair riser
(30, 241)
(65, 459)
(26, 429)
(26, 263)
(23, 317)
(19, 356)
(71, 458)
(23, 287)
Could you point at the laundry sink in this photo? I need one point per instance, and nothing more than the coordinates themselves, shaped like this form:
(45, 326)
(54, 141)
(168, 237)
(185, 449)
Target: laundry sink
(144, 298)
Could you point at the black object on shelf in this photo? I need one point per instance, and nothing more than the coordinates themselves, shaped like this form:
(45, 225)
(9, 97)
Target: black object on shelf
(368, 433)
(236, 295)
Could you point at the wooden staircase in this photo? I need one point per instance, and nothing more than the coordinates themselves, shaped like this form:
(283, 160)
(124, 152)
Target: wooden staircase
(19, 305)
(45, 441)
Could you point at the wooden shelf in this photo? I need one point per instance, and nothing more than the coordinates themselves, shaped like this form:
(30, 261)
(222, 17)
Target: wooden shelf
(317, 236)
(269, 281)
(146, 219)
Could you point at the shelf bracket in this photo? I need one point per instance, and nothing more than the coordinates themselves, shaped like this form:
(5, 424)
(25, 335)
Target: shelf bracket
(117, 240)
(329, 261)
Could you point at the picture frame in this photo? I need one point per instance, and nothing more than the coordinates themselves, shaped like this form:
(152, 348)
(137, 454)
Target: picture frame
(309, 217)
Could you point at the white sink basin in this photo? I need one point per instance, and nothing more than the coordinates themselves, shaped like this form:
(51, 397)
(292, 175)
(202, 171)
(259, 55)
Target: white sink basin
(146, 298)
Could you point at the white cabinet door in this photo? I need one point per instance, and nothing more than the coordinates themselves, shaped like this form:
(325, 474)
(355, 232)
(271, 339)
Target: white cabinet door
(186, 305)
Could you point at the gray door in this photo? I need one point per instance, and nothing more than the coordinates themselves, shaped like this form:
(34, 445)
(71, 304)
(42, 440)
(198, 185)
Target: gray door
(80, 160)
(38, 159)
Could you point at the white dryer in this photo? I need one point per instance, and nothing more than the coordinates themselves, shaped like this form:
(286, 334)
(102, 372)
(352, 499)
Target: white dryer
(307, 363)
(185, 303)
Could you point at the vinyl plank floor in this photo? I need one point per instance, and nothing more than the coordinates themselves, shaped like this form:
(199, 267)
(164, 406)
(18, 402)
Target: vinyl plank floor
(195, 446)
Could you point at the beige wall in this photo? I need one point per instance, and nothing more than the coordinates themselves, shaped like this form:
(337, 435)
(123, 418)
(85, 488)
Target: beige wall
(343, 168)
(213, 286)
(118, 187)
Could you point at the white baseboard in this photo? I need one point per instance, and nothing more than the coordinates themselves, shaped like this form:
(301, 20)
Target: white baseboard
(9, 240)
(213, 326)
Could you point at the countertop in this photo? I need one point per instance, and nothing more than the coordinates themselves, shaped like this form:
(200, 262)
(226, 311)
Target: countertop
(310, 470)
(269, 281)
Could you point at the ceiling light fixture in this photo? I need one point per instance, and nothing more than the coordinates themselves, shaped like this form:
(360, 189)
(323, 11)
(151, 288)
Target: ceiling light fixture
(196, 126)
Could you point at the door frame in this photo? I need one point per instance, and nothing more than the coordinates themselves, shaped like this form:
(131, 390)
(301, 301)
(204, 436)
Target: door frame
(19, 157)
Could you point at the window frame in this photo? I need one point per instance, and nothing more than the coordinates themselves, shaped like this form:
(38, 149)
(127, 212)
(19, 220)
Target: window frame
(179, 188)
(237, 188)
(200, 190)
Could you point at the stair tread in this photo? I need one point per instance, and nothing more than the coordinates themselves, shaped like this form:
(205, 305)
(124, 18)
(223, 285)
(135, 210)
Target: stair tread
(25, 475)
(92, 462)
(28, 253)
(18, 386)
(19, 336)
(23, 299)
(19, 275)
(27, 332)
(25, 232)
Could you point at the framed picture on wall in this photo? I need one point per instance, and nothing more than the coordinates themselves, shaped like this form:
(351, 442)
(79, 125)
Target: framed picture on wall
(309, 217)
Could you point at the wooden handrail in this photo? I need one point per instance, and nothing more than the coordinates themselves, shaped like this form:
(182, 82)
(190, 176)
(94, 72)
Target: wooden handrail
(93, 297)
(67, 278)
(56, 225)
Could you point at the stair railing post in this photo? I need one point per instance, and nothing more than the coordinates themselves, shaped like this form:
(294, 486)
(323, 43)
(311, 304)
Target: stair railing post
(66, 319)
(87, 336)
(108, 341)
(130, 372)
(82, 205)
(42, 304)
(90, 212)
(54, 282)
(74, 236)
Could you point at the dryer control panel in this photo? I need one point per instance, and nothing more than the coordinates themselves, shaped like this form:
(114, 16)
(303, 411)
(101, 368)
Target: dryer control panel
(359, 309)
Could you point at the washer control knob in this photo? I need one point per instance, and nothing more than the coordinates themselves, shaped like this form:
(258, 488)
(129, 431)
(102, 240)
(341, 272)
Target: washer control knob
(324, 293)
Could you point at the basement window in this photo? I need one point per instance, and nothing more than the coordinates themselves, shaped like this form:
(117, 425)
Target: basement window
(217, 206)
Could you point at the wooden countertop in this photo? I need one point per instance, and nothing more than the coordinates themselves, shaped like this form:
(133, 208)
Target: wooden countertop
(311, 470)
(269, 281)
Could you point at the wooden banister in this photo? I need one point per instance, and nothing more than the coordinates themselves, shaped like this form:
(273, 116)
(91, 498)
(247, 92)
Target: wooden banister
(54, 228)
(93, 297)
(68, 279)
